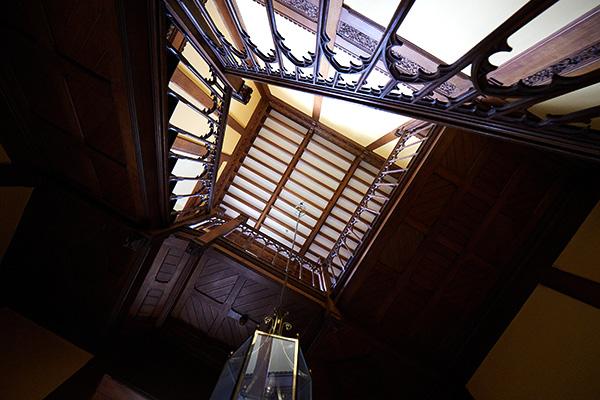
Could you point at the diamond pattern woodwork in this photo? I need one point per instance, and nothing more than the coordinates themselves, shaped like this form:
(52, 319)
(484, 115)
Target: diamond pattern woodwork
(450, 245)
(211, 294)
(69, 87)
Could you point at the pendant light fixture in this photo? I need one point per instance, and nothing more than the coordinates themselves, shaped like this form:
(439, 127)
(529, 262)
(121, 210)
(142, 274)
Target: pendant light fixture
(268, 365)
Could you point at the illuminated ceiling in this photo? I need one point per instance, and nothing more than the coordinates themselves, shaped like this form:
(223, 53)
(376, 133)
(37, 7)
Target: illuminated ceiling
(433, 32)
(289, 163)
(279, 169)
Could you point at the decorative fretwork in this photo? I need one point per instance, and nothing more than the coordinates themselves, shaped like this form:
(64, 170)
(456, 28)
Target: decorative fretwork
(262, 247)
(487, 107)
(376, 199)
(357, 38)
(201, 148)
(304, 7)
(580, 59)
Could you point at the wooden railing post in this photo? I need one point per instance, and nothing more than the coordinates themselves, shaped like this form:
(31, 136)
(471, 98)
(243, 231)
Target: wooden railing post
(325, 275)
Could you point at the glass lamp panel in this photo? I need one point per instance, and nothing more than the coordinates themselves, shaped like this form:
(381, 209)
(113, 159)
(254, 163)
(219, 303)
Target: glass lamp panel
(265, 367)
(303, 380)
(269, 372)
(231, 372)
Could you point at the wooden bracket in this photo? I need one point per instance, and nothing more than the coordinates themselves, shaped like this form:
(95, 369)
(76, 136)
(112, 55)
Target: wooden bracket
(220, 230)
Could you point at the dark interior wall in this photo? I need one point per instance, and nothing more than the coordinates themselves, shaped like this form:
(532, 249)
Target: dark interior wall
(462, 251)
(12, 204)
(68, 269)
(78, 92)
(69, 265)
(33, 360)
(150, 365)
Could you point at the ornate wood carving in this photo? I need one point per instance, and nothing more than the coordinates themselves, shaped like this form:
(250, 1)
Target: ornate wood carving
(578, 60)
(436, 98)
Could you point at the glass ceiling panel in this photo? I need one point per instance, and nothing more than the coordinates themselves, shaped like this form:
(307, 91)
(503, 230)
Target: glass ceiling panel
(448, 29)
(359, 123)
(550, 21)
(319, 169)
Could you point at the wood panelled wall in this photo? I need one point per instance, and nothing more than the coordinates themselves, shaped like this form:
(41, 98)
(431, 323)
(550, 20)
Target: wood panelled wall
(77, 84)
(447, 253)
(209, 292)
(69, 266)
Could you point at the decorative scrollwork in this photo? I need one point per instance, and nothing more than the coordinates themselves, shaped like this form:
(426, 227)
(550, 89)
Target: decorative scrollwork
(486, 106)
(303, 7)
(387, 171)
(262, 241)
(356, 37)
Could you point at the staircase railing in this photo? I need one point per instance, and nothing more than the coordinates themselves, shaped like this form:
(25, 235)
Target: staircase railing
(198, 99)
(256, 245)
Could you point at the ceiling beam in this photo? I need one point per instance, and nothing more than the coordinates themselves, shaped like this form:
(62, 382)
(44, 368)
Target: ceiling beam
(233, 123)
(333, 19)
(242, 148)
(317, 103)
(263, 89)
(331, 204)
(574, 286)
(391, 135)
(562, 140)
(284, 178)
(189, 146)
(220, 230)
(568, 42)
(229, 24)
(383, 140)
(330, 134)
(197, 28)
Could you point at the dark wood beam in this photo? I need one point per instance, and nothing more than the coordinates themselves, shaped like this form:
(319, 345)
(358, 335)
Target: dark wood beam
(192, 88)
(192, 30)
(242, 148)
(385, 139)
(504, 129)
(317, 103)
(189, 146)
(391, 135)
(264, 91)
(333, 19)
(551, 236)
(572, 285)
(232, 122)
(230, 24)
(284, 178)
(182, 80)
(331, 204)
(570, 40)
(220, 230)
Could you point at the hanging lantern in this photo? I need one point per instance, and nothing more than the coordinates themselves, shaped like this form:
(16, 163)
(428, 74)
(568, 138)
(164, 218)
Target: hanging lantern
(268, 365)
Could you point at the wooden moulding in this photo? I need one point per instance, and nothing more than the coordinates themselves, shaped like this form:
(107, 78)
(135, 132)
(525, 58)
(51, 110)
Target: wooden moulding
(242, 148)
